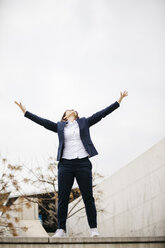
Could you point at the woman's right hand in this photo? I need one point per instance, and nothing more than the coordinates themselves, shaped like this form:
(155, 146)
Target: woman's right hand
(21, 107)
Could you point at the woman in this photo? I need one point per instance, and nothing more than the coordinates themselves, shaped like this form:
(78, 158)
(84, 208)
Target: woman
(75, 148)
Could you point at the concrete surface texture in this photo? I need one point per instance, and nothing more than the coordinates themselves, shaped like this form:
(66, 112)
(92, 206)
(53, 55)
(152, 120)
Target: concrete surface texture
(83, 242)
(133, 199)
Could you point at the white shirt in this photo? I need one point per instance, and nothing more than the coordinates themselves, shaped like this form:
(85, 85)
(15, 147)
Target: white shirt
(73, 146)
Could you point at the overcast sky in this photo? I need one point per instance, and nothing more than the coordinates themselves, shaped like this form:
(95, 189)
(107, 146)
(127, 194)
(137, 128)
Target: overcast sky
(80, 54)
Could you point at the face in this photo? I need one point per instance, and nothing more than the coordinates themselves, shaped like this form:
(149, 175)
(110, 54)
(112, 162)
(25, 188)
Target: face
(70, 112)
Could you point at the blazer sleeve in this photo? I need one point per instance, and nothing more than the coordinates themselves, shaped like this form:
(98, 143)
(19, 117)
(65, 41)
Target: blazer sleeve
(96, 117)
(41, 121)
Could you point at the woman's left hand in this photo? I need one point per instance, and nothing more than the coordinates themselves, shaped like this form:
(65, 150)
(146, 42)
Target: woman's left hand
(122, 95)
(125, 93)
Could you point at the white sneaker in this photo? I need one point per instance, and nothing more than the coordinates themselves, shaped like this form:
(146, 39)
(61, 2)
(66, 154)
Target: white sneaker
(94, 232)
(59, 233)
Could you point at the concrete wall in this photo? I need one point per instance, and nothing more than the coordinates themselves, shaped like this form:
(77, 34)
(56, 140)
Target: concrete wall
(133, 199)
(28, 217)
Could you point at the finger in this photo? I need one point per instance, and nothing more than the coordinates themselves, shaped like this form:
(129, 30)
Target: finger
(17, 103)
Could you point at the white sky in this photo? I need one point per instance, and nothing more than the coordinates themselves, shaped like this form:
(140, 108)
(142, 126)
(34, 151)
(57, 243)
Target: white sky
(56, 55)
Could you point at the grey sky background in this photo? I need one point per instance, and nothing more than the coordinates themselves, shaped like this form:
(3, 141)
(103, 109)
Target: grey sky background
(56, 55)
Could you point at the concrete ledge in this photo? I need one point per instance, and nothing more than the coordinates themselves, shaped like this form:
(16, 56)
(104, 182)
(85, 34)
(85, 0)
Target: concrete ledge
(104, 240)
(74, 240)
(83, 242)
(23, 240)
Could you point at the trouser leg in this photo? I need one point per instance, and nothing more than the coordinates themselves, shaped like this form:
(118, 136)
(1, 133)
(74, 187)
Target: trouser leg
(83, 174)
(65, 182)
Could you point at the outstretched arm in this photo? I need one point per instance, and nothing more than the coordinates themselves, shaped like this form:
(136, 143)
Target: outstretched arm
(93, 119)
(39, 120)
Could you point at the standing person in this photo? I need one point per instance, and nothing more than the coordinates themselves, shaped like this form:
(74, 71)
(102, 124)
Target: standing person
(75, 148)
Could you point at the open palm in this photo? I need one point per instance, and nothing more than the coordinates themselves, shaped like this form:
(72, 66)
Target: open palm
(23, 108)
(125, 93)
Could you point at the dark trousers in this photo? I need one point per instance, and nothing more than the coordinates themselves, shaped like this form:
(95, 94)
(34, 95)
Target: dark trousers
(81, 169)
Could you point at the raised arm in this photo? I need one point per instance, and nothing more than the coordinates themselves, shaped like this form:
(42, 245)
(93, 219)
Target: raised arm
(96, 117)
(39, 120)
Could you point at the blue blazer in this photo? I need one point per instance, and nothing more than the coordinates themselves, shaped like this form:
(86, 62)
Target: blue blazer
(84, 125)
